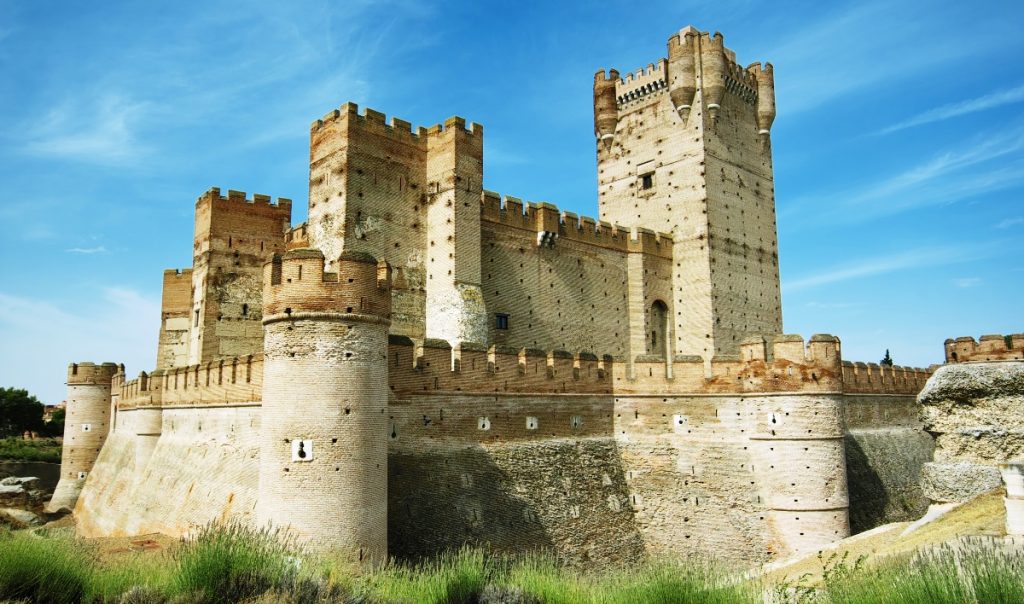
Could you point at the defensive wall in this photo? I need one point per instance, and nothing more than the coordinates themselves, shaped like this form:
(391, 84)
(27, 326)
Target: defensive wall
(986, 348)
(524, 449)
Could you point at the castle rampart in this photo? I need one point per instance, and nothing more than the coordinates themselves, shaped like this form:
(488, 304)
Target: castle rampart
(986, 348)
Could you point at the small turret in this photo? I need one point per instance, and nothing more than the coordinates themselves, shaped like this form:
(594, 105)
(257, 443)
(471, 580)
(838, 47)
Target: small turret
(712, 54)
(85, 428)
(605, 112)
(682, 71)
(765, 99)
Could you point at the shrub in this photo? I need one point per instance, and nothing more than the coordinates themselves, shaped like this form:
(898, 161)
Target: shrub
(39, 569)
(232, 562)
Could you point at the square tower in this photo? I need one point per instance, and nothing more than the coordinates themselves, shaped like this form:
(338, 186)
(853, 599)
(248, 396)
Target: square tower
(683, 147)
(234, 236)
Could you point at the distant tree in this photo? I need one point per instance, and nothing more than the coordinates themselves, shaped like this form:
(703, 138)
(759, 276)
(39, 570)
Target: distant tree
(19, 412)
(887, 360)
(55, 425)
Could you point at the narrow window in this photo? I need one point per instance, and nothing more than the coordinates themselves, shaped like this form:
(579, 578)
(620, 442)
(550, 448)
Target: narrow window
(197, 317)
(245, 310)
(647, 181)
(501, 321)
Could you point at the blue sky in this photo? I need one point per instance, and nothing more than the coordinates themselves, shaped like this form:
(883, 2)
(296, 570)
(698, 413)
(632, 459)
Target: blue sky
(899, 145)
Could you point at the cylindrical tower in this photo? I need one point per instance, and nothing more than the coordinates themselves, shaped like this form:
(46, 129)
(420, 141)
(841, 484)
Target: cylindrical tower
(713, 70)
(323, 435)
(765, 99)
(86, 425)
(605, 111)
(682, 71)
(802, 464)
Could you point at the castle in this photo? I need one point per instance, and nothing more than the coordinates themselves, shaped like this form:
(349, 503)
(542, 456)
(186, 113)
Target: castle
(425, 364)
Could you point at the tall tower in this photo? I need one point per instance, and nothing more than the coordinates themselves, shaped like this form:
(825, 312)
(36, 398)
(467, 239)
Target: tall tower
(683, 147)
(234, 236)
(323, 436)
(411, 198)
(85, 428)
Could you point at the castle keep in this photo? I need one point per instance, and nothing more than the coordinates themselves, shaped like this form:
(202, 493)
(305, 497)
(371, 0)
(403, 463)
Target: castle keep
(425, 364)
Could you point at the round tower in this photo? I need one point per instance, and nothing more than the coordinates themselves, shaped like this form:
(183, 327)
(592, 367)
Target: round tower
(86, 425)
(682, 71)
(605, 111)
(803, 467)
(712, 56)
(323, 436)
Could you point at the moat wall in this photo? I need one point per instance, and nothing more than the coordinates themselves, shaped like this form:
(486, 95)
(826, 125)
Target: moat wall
(886, 447)
(588, 477)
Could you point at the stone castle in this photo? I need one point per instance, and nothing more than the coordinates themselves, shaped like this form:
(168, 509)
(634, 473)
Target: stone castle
(425, 364)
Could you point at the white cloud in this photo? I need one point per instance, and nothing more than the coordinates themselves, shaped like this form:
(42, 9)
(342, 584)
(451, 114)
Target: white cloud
(967, 282)
(856, 59)
(1009, 222)
(945, 112)
(99, 249)
(102, 132)
(943, 179)
(868, 267)
(40, 338)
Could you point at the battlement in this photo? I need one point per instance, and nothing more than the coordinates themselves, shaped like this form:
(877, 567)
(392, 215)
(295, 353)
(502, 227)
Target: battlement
(91, 373)
(552, 224)
(872, 378)
(396, 127)
(239, 199)
(437, 366)
(987, 348)
(643, 83)
(235, 380)
(296, 283)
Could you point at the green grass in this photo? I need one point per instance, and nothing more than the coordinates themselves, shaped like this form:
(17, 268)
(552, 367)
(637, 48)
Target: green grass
(15, 448)
(236, 564)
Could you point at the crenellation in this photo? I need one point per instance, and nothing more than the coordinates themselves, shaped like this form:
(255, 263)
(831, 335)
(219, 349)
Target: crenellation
(993, 347)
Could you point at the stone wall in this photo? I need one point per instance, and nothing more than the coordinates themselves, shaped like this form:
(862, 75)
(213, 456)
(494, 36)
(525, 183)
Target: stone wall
(886, 447)
(204, 467)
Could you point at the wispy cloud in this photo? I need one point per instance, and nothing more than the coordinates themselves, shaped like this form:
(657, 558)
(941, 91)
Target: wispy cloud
(945, 112)
(1009, 222)
(868, 267)
(99, 249)
(857, 61)
(832, 305)
(967, 282)
(943, 179)
(35, 330)
(105, 133)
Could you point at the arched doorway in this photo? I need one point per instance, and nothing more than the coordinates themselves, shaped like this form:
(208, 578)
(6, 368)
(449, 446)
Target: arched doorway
(657, 329)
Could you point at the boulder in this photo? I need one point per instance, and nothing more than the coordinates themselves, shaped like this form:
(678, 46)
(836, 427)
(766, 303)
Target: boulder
(958, 482)
(19, 518)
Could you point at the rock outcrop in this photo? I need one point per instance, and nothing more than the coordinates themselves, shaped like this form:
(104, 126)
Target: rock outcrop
(975, 411)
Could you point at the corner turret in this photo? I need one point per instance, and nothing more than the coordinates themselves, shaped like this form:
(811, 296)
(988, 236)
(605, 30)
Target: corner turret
(712, 56)
(605, 114)
(85, 428)
(323, 446)
(682, 70)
